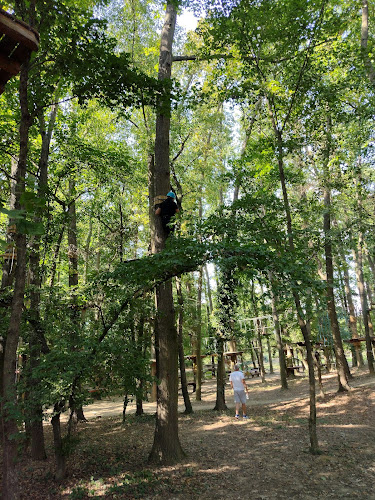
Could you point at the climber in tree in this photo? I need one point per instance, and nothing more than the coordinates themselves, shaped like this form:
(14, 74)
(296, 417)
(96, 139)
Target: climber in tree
(167, 209)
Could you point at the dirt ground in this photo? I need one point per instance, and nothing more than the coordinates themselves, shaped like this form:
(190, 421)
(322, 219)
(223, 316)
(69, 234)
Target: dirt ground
(263, 458)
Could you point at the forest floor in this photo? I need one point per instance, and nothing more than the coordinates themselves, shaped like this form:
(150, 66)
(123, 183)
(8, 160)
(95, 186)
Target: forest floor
(263, 458)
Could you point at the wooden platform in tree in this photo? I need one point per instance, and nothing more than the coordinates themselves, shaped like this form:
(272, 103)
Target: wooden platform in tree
(359, 340)
(17, 41)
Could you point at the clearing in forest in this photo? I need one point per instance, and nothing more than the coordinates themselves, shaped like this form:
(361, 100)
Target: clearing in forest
(265, 457)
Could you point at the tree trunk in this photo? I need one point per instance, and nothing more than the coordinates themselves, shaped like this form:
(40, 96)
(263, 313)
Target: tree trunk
(198, 393)
(319, 370)
(87, 249)
(72, 239)
(60, 459)
(9, 267)
(37, 342)
(9, 263)
(342, 365)
(314, 446)
(181, 356)
(209, 294)
(55, 259)
(269, 353)
(166, 448)
(139, 405)
(220, 377)
(76, 410)
(124, 407)
(142, 349)
(343, 372)
(257, 328)
(372, 266)
(9, 400)
(364, 41)
(357, 255)
(227, 301)
(352, 315)
(254, 358)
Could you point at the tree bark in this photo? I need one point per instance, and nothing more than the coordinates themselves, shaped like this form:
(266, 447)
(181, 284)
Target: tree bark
(257, 328)
(314, 445)
(37, 339)
(342, 364)
(364, 42)
(198, 392)
(55, 258)
(209, 294)
(358, 260)
(220, 404)
(9, 400)
(269, 354)
(279, 342)
(371, 264)
(76, 411)
(352, 315)
(181, 354)
(343, 372)
(227, 301)
(166, 447)
(87, 249)
(9, 265)
(60, 459)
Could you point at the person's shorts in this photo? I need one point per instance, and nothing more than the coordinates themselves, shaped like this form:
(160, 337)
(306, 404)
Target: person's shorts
(240, 397)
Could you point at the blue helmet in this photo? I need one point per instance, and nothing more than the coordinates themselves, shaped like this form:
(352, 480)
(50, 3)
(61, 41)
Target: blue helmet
(171, 194)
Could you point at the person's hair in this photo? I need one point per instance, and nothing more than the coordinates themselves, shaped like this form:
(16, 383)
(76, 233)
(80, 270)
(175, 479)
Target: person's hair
(236, 367)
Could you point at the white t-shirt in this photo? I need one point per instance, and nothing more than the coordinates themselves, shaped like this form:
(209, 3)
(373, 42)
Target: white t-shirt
(236, 378)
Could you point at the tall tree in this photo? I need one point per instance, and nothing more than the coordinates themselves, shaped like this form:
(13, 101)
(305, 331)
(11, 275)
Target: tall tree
(342, 366)
(166, 447)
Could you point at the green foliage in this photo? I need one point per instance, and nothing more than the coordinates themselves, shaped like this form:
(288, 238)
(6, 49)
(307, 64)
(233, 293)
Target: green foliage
(22, 217)
(79, 493)
(292, 58)
(74, 45)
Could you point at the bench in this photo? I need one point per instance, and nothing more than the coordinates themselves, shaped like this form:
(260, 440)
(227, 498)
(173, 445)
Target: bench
(254, 372)
(209, 368)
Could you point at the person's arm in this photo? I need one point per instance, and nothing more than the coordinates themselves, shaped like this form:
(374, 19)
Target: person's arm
(244, 384)
(158, 211)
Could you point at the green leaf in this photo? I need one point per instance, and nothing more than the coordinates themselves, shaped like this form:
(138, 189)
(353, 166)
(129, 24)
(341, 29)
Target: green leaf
(13, 214)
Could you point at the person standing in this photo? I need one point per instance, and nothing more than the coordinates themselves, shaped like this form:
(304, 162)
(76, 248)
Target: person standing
(238, 384)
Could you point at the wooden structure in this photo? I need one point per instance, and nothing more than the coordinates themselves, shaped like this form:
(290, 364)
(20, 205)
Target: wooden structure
(231, 359)
(233, 355)
(359, 340)
(193, 358)
(17, 41)
(293, 363)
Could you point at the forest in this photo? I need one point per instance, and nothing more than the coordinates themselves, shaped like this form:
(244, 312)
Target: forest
(253, 119)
